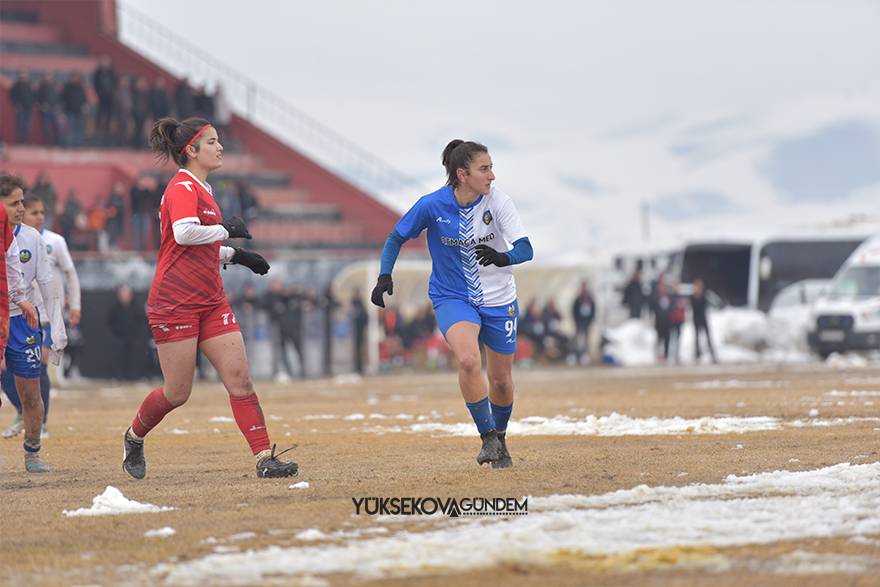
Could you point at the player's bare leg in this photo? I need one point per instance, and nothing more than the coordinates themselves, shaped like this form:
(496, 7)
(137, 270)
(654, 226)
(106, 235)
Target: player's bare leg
(463, 339)
(178, 362)
(32, 416)
(227, 354)
(500, 372)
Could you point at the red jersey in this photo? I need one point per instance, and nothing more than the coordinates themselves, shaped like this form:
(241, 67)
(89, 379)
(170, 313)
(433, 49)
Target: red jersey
(187, 278)
(6, 242)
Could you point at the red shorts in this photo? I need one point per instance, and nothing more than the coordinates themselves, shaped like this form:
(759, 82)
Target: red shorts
(204, 325)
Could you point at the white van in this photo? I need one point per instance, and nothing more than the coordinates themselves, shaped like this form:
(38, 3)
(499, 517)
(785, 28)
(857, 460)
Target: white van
(848, 317)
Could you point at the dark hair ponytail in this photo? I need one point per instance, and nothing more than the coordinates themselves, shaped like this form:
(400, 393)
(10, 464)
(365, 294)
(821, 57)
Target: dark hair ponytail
(168, 138)
(457, 155)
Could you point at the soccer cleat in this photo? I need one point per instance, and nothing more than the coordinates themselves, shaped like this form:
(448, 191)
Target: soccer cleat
(34, 464)
(133, 462)
(272, 467)
(491, 450)
(16, 428)
(504, 461)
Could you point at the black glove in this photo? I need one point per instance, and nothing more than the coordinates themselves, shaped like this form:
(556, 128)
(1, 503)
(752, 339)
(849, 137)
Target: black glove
(383, 284)
(253, 261)
(486, 255)
(236, 228)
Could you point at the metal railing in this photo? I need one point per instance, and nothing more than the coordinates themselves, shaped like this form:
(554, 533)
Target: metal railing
(260, 106)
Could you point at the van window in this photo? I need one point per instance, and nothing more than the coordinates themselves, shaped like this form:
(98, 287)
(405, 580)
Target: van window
(857, 282)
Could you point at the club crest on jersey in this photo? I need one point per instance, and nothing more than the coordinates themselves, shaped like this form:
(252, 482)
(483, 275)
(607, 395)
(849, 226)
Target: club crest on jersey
(31, 340)
(511, 310)
(24, 256)
(48, 249)
(487, 217)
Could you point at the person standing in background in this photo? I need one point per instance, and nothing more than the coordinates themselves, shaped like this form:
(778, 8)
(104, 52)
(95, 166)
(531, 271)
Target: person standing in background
(359, 320)
(699, 308)
(634, 295)
(583, 311)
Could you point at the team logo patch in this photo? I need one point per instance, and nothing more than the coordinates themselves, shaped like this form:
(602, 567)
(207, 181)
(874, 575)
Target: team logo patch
(49, 249)
(487, 217)
(24, 256)
(31, 339)
(511, 310)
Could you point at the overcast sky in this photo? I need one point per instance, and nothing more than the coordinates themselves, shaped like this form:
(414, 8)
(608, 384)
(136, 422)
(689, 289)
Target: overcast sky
(726, 118)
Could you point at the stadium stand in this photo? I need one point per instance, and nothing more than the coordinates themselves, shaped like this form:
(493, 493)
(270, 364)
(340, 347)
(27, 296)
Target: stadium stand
(302, 205)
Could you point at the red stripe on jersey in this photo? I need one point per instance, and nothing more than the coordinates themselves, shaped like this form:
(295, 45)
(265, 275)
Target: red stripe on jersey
(187, 278)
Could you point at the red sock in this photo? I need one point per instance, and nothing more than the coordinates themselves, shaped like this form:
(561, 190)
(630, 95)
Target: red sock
(249, 417)
(151, 412)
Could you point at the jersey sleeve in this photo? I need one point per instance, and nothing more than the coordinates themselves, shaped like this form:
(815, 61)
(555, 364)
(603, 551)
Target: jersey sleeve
(414, 221)
(182, 200)
(511, 225)
(69, 275)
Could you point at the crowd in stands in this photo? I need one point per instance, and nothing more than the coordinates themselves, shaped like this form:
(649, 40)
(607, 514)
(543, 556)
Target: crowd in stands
(127, 217)
(108, 109)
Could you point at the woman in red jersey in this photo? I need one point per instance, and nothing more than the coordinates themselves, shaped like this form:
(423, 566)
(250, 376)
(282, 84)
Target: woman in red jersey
(187, 308)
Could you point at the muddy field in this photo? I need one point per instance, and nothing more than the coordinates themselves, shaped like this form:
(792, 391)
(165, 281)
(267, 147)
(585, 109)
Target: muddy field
(698, 445)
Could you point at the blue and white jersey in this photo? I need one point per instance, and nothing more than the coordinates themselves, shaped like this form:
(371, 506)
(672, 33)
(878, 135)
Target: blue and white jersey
(453, 232)
(35, 267)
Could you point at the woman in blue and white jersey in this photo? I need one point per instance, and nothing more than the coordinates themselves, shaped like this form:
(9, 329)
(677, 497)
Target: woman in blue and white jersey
(475, 235)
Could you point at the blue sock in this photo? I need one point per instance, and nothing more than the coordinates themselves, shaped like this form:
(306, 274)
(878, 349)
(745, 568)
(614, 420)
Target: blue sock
(45, 388)
(482, 415)
(7, 380)
(501, 415)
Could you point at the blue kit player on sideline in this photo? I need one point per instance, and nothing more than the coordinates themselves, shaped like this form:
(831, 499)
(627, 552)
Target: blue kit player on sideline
(23, 353)
(65, 285)
(475, 235)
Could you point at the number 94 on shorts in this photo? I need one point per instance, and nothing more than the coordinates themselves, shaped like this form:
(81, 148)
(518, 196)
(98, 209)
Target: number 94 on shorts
(203, 325)
(497, 323)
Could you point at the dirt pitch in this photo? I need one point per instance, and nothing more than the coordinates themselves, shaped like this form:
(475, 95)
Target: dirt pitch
(207, 474)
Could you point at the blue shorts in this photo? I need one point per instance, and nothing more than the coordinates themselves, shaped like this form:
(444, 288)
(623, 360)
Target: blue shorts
(23, 352)
(497, 324)
(47, 336)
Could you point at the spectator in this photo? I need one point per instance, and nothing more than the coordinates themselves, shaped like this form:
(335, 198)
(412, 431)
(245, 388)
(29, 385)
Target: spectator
(583, 311)
(285, 315)
(677, 315)
(699, 308)
(70, 218)
(183, 100)
(126, 321)
(246, 307)
(633, 294)
(114, 214)
(140, 200)
(21, 94)
(532, 327)
(359, 321)
(661, 305)
(160, 102)
(123, 113)
(203, 103)
(328, 304)
(105, 83)
(140, 111)
(73, 102)
(555, 341)
(247, 200)
(46, 191)
(48, 102)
